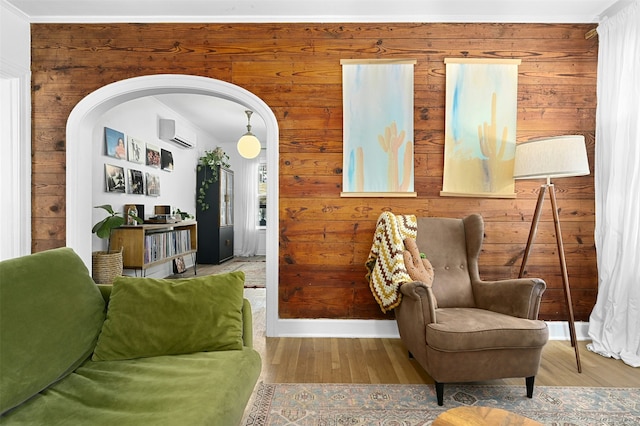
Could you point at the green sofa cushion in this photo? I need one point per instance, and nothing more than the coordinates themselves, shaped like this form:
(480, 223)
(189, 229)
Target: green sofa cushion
(149, 317)
(50, 315)
(205, 388)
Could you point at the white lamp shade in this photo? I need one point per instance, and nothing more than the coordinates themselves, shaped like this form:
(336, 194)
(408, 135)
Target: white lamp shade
(249, 146)
(560, 156)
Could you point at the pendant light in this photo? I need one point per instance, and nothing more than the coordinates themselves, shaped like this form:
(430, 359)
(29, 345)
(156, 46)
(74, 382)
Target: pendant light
(249, 145)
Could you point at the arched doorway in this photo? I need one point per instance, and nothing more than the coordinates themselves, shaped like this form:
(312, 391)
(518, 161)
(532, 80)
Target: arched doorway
(80, 125)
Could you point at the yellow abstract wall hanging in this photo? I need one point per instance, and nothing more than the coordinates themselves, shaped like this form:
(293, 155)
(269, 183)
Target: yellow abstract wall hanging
(480, 127)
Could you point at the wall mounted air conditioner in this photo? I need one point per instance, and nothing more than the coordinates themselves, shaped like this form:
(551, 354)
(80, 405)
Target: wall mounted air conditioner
(173, 131)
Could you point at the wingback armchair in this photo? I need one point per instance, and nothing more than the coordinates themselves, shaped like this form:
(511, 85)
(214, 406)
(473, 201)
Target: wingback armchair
(460, 328)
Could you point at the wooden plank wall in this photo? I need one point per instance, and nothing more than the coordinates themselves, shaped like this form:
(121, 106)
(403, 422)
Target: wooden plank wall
(295, 68)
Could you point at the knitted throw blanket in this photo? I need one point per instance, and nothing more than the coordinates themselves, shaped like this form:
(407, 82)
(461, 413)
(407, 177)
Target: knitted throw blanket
(385, 264)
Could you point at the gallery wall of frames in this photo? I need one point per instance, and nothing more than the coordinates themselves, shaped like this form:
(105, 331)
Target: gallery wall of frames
(132, 165)
(133, 180)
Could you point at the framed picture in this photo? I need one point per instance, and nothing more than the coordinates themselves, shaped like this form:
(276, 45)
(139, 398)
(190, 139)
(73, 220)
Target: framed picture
(136, 182)
(114, 178)
(166, 160)
(136, 150)
(480, 127)
(114, 144)
(153, 155)
(153, 185)
(178, 265)
(140, 208)
(378, 128)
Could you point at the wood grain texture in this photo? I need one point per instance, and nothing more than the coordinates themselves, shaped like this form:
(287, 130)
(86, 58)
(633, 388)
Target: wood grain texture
(336, 360)
(479, 416)
(295, 69)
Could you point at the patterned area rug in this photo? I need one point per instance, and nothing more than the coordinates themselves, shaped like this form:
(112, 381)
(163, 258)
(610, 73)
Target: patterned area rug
(254, 270)
(409, 405)
(258, 299)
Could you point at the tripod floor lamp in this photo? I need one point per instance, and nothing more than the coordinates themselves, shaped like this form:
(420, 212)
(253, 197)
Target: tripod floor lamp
(551, 158)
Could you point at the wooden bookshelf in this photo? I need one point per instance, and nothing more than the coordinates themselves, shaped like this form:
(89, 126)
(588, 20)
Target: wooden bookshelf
(144, 246)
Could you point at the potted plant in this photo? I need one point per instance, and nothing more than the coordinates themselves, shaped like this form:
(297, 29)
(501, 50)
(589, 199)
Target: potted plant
(209, 162)
(182, 215)
(106, 265)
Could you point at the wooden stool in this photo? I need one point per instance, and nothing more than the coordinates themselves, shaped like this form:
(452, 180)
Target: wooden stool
(481, 416)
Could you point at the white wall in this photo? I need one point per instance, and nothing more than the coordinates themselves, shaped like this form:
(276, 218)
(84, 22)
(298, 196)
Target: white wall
(15, 133)
(139, 119)
(15, 37)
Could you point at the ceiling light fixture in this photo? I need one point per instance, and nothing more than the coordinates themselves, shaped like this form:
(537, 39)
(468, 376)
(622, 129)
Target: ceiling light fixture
(249, 145)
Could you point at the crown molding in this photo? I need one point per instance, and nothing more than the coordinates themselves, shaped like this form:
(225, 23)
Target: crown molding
(304, 19)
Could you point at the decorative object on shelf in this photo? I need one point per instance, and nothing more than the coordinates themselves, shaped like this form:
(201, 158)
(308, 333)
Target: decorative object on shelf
(547, 158)
(209, 163)
(182, 215)
(132, 211)
(162, 219)
(248, 144)
(162, 214)
(162, 209)
(106, 265)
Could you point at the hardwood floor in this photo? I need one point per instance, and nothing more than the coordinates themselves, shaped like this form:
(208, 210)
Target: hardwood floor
(340, 360)
(337, 360)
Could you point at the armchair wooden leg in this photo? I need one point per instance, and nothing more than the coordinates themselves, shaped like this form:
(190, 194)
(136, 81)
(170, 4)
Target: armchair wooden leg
(530, 381)
(440, 393)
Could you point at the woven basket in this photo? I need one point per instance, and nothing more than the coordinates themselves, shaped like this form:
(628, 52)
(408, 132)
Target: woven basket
(106, 266)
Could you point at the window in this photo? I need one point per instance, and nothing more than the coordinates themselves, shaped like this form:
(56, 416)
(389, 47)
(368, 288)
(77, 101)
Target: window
(262, 196)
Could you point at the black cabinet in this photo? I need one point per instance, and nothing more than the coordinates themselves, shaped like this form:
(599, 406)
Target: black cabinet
(215, 224)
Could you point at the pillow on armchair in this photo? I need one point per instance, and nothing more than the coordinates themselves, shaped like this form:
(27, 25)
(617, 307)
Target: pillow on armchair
(418, 267)
(151, 317)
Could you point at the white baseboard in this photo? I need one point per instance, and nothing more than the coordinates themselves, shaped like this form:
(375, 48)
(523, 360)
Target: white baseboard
(336, 328)
(558, 330)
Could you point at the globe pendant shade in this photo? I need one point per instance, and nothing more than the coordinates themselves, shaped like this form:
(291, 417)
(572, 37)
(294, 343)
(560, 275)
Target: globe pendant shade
(249, 146)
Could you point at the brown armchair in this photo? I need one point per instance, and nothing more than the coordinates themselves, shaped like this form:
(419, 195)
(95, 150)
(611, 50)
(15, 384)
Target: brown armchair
(463, 329)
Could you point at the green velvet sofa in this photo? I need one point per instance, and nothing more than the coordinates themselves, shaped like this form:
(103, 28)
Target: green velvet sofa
(141, 352)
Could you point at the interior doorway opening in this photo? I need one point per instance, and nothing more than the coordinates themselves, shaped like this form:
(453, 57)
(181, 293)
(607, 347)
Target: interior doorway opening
(79, 152)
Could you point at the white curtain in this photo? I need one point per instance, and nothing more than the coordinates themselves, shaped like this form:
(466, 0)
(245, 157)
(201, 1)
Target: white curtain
(614, 325)
(248, 205)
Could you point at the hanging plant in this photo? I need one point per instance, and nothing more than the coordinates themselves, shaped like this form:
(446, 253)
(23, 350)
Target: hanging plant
(209, 162)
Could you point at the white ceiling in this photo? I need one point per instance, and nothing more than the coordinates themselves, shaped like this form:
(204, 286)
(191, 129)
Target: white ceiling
(546, 11)
(223, 119)
(227, 120)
